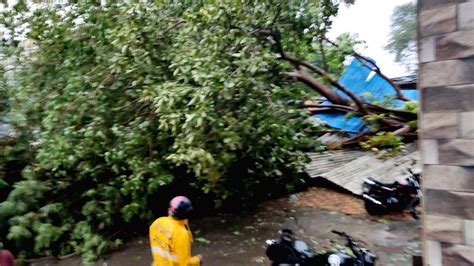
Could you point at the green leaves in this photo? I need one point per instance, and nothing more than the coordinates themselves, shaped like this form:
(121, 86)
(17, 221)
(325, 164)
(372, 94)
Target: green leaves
(411, 106)
(122, 101)
(129, 211)
(46, 235)
(203, 240)
(18, 232)
(8, 209)
(51, 208)
(391, 144)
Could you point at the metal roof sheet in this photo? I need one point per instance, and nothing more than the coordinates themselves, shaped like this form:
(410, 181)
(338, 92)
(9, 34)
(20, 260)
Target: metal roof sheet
(368, 85)
(348, 169)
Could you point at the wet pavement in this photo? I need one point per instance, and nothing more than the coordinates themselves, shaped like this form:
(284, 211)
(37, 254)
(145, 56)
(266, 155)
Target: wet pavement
(239, 239)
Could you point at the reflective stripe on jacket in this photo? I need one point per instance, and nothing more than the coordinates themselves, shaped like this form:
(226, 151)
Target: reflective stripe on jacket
(170, 242)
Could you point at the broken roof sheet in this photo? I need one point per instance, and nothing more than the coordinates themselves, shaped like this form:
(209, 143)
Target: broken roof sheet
(406, 82)
(362, 81)
(348, 169)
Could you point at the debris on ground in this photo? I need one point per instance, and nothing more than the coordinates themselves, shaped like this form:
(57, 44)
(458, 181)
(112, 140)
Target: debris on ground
(330, 200)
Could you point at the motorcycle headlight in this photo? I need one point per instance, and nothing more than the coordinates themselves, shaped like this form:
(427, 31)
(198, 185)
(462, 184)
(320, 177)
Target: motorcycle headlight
(334, 259)
(270, 242)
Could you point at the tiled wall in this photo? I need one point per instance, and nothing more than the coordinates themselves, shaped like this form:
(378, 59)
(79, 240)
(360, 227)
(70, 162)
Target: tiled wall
(446, 81)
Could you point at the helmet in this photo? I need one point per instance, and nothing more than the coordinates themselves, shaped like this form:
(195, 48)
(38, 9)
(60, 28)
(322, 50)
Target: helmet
(180, 208)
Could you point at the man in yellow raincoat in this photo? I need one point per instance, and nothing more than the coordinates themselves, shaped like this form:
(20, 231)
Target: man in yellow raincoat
(171, 238)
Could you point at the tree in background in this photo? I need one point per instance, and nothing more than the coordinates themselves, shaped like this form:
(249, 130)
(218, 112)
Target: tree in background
(402, 39)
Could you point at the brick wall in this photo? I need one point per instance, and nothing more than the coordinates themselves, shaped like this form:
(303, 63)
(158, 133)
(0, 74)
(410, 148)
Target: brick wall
(446, 81)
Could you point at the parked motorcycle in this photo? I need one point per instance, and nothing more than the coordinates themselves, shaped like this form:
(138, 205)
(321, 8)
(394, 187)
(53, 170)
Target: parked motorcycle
(383, 198)
(288, 251)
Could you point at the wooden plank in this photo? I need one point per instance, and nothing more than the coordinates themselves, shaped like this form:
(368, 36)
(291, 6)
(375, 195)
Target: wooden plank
(448, 98)
(437, 20)
(429, 4)
(433, 253)
(456, 152)
(444, 177)
(449, 203)
(458, 255)
(444, 229)
(440, 125)
(434, 74)
(469, 233)
(455, 45)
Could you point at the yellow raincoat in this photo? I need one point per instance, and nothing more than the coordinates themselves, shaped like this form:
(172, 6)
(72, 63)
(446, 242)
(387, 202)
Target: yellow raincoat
(170, 241)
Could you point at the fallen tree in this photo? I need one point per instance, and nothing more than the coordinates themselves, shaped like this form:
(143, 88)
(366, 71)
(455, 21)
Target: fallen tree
(133, 101)
(397, 122)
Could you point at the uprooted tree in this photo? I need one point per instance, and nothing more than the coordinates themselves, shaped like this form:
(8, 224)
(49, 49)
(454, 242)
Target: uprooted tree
(388, 125)
(385, 121)
(115, 104)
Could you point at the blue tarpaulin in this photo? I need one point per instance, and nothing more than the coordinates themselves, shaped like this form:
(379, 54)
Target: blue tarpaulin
(368, 85)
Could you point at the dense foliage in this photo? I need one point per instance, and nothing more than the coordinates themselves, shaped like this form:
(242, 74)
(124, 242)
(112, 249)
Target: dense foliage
(113, 104)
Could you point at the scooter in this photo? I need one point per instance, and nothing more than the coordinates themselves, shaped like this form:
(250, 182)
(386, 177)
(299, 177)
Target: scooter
(382, 198)
(288, 251)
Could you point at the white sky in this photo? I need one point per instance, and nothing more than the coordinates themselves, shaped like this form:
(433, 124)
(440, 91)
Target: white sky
(370, 19)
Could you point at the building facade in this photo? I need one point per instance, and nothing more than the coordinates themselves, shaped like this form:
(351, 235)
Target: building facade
(446, 82)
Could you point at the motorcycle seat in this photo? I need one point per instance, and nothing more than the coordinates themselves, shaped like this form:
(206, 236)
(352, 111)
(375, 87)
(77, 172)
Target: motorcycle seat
(383, 184)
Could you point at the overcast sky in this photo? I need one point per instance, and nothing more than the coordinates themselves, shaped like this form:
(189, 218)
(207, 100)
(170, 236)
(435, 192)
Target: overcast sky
(370, 19)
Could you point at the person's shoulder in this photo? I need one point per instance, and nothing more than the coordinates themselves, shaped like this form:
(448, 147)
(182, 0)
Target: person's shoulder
(160, 220)
(6, 255)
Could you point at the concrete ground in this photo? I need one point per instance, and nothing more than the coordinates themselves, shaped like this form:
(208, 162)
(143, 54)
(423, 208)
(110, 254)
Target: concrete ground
(239, 239)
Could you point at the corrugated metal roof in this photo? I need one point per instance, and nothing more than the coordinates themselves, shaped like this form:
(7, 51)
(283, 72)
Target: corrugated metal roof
(408, 81)
(322, 163)
(361, 80)
(348, 169)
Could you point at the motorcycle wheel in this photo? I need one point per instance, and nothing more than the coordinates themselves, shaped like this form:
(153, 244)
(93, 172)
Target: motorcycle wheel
(373, 209)
(412, 206)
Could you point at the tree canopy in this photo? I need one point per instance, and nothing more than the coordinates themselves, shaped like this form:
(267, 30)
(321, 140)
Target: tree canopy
(116, 103)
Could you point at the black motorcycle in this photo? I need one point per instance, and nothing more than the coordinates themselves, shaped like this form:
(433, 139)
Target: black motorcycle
(292, 252)
(382, 198)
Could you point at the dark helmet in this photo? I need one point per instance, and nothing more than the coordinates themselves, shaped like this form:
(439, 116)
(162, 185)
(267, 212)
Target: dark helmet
(180, 208)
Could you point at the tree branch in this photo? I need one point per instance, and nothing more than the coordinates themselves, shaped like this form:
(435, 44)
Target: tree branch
(317, 86)
(275, 35)
(172, 26)
(406, 115)
(323, 54)
(403, 130)
(359, 103)
(355, 140)
(331, 106)
(364, 60)
(398, 90)
(392, 123)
